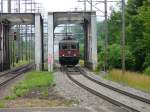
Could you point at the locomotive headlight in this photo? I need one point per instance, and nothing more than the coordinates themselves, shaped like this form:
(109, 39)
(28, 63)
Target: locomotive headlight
(74, 55)
(63, 55)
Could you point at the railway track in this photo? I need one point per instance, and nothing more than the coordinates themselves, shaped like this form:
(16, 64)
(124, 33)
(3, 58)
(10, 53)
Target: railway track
(113, 95)
(141, 98)
(7, 77)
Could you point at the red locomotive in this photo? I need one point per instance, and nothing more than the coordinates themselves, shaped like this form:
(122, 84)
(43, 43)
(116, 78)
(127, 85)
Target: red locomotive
(69, 52)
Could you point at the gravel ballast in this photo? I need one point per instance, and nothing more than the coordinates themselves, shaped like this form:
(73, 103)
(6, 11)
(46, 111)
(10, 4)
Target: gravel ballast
(83, 98)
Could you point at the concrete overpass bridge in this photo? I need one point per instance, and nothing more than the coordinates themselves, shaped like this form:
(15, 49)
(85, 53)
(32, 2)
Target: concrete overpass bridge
(86, 19)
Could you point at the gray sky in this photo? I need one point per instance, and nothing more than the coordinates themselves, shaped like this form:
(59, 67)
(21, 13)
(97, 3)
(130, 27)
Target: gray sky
(58, 5)
(68, 5)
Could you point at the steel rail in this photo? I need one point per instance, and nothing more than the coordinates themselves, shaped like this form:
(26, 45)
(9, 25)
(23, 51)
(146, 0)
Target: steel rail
(13, 70)
(17, 73)
(117, 103)
(113, 88)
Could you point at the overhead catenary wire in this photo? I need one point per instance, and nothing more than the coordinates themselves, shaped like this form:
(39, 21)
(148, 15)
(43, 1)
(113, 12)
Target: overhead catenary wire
(90, 2)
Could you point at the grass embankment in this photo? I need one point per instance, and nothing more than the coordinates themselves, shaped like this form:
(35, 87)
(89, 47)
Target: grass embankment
(2, 104)
(36, 90)
(132, 79)
(32, 80)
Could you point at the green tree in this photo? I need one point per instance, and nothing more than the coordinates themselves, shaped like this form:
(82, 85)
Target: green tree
(114, 57)
(137, 36)
(144, 16)
(138, 30)
(114, 27)
(133, 5)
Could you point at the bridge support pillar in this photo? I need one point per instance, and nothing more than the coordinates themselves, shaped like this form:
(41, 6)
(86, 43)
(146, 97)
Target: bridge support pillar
(91, 43)
(94, 42)
(4, 45)
(50, 42)
(38, 43)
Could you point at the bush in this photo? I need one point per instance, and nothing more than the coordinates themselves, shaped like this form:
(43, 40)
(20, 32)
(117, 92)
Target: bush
(12, 97)
(147, 71)
(20, 92)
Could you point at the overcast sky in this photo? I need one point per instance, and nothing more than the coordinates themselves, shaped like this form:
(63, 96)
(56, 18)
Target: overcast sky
(68, 5)
(58, 5)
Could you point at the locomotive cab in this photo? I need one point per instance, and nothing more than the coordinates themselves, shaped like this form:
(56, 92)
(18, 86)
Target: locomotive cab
(69, 52)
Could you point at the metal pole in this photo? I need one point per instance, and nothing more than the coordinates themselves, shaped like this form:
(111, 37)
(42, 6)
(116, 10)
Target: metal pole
(30, 40)
(26, 56)
(1, 6)
(31, 5)
(13, 53)
(19, 6)
(91, 5)
(30, 56)
(84, 5)
(2, 44)
(22, 43)
(106, 38)
(123, 36)
(19, 54)
(9, 6)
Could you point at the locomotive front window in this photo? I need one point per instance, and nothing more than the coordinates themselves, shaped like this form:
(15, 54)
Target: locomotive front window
(64, 47)
(73, 46)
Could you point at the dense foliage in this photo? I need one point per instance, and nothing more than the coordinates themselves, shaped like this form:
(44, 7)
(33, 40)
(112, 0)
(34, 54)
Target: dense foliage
(114, 59)
(137, 37)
